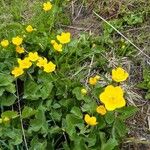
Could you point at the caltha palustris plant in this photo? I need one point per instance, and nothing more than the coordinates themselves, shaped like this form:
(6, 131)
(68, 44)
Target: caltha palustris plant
(42, 107)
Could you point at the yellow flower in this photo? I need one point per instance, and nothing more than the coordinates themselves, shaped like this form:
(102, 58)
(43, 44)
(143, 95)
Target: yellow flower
(17, 71)
(29, 28)
(25, 63)
(33, 56)
(97, 77)
(17, 40)
(53, 41)
(101, 110)
(4, 43)
(47, 6)
(57, 47)
(49, 67)
(64, 37)
(112, 97)
(90, 120)
(119, 74)
(92, 81)
(41, 62)
(84, 91)
(20, 50)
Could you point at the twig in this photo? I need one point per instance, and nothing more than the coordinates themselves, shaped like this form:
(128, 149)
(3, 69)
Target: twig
(78, 13)
(78, 28)
(23, 132)
(135, 29)
(72, 27)
(122, 35)
(78, 71)
(138, 141)
(90, 66)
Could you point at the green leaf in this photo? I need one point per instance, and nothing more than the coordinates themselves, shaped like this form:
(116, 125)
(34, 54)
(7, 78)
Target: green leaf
(28, 112)
(44, 77)
(76, 111)
(46, 90)
(97, 90)
(119, 128)
(102, 123)
(39, 123)
(56, 106)
(91, 139)
(37, 144)
(67, 103)
(102, 136)
(73, 121)
(9, 114)
(110, 144)
(127, 112)
(32, 90)
(1, 91)
(90, 107)
(15, 135)
(55, 130)
(132, 19)
(79, 144)
(5, 79)
(10, 88)
(78, 94)
(7, 99)
(110, 117)
(56, 115)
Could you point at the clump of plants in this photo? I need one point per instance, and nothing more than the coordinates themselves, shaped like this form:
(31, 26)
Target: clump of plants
(48, 98)
(145, 84)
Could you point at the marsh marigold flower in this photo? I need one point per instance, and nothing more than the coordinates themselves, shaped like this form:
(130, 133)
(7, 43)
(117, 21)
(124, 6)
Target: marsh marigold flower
(112, 97)
(101, 110)
(47, 6)
(17, 71)
(84, 91)
(20, 50)
(64, 37)
(90, 120)
(57, 47)
(33, 56)
(4, 43)
(41, 62)
(94, 80)
(119, 74)
(29, 28)
(49, 67)
(25, 63)
(17, 40)
(97, 77)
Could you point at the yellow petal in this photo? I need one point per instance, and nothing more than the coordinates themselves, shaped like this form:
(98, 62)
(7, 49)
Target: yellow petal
(101, 110)
(4, 43)
(49, 67)
(29, 28)
(119, 74)
(17, 40)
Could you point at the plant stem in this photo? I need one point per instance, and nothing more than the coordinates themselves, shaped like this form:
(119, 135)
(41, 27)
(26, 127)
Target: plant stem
(19, 107)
